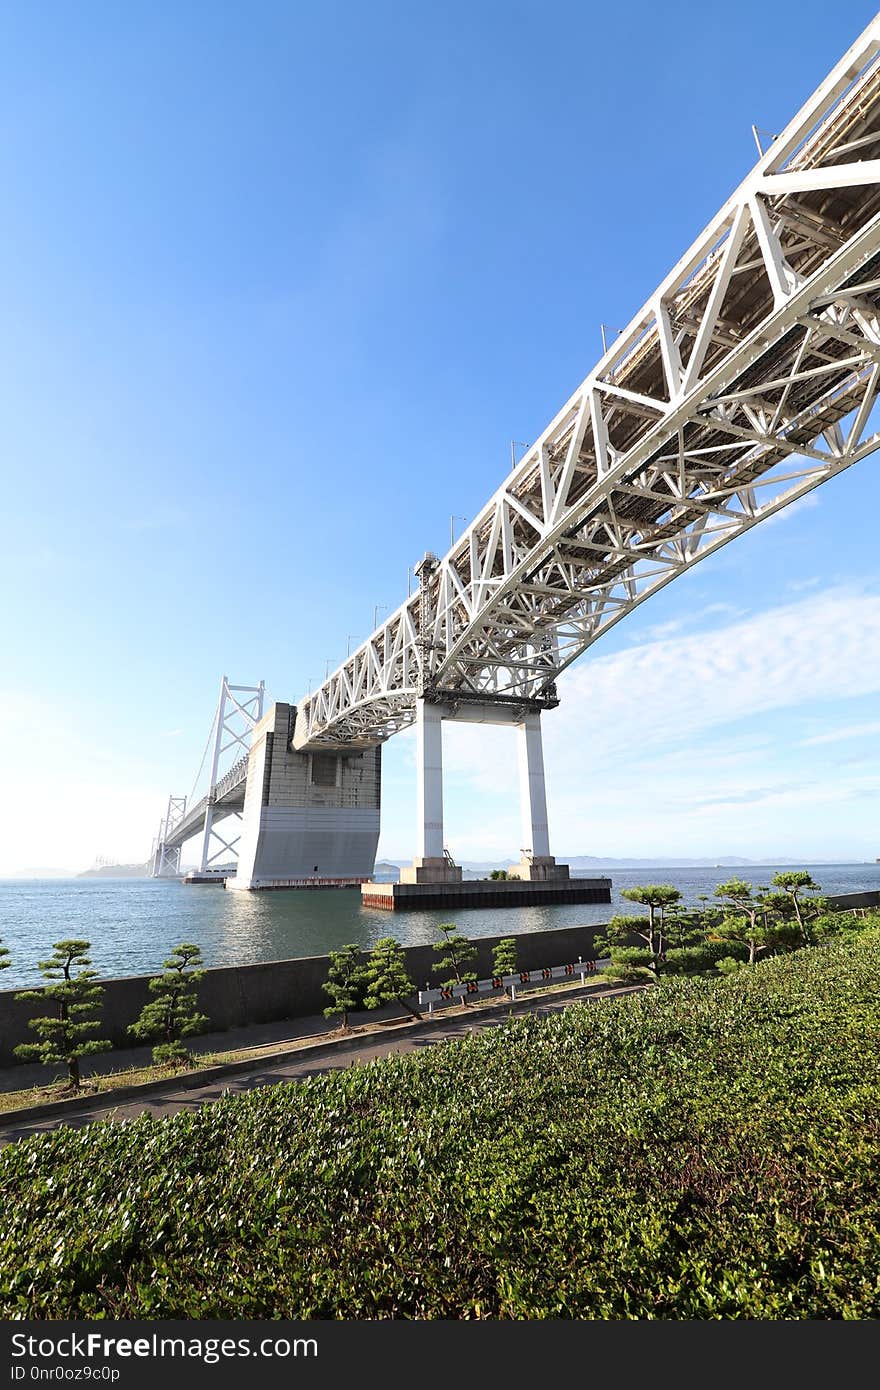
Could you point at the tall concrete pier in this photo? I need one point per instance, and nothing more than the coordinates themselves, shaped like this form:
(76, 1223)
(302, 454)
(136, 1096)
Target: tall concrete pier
(431, 865)
(308, 818)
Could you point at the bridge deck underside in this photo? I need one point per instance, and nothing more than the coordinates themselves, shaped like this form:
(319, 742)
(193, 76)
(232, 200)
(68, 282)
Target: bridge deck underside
(228, 800)
(748, 379)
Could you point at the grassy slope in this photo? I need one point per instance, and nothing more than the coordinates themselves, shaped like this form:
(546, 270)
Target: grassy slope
(708, 1149)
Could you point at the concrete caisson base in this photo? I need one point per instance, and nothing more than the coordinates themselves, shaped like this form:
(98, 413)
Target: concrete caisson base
(430, 871)
(484, 892)
(543, 869)
(309, 819)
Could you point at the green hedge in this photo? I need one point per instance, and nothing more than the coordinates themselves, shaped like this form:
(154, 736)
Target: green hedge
(705, 1149)
(685, 960)
(631, 955)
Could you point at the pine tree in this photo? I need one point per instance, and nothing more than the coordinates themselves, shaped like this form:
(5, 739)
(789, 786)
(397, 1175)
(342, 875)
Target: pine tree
(5, 962)
(65, 1033)
(504, 957)
(386, 976)
(789, 903)
(658, 898)
(746, 919)
(455, 952)
(172, 1014)
(345, 977)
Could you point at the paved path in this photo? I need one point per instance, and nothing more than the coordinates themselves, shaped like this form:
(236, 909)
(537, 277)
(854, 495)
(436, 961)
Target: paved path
(181, 1095)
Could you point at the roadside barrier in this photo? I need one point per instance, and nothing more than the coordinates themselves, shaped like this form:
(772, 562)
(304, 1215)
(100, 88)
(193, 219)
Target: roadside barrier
(449, 994)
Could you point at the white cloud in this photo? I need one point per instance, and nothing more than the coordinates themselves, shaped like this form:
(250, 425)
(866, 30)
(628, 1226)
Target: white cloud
(824, 647)
(680, 746)
(802, 504)
(839, 735)
(798, 586)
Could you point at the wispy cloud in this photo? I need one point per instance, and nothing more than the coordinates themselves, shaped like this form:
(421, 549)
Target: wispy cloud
(688, 744)
(803, 504)
(820, 648)
(799, 586)
(660, 631)
(840, 735)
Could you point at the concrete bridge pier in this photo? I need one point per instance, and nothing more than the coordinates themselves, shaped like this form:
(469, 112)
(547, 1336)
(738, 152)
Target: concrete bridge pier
(310, 819)
(538, 864)
(431, 864)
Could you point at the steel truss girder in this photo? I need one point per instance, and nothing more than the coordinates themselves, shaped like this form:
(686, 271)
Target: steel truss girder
(723, 401)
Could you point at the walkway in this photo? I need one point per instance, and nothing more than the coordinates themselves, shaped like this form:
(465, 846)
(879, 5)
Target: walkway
(189, 1092)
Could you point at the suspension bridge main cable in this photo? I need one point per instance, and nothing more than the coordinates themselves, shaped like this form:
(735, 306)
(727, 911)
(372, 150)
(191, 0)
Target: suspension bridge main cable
(204, 756)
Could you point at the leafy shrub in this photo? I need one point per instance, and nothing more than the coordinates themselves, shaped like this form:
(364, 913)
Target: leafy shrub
(630, 955)
(728, 965)
(831, 924)
(344, 983)
(385, 977)
(694, 960)
(455, 954)
(624, 974)
(74, 1000)
(504, 955)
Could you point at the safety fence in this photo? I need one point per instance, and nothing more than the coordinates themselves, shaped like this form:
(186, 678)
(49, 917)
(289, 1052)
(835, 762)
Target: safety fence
(450, 994)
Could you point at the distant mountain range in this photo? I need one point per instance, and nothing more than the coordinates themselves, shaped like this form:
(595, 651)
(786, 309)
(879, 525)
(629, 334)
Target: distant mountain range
(388, 869)
(117, 871)
(724, 861)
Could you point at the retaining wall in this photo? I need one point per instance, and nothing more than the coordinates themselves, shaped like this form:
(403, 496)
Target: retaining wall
(234, 996)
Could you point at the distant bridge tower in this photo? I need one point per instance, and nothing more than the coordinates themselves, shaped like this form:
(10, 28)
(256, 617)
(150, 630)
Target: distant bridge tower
(239, 710)
(166, 857)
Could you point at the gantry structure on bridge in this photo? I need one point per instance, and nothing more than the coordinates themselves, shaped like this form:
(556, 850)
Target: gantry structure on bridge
(748, 378)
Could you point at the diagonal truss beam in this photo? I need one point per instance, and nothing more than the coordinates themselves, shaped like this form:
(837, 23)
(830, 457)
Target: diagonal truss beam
(748, 379)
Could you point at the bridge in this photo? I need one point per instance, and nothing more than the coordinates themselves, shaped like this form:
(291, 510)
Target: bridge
(748, 378)
(239, 709)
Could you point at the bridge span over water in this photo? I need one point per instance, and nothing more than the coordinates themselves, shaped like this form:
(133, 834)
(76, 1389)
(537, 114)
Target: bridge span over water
(748, 378)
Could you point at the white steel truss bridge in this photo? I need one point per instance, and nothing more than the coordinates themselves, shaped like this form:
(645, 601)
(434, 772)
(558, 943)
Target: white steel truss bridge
(748, 378)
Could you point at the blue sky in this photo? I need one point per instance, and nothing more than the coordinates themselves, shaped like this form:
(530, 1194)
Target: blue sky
(279, 284)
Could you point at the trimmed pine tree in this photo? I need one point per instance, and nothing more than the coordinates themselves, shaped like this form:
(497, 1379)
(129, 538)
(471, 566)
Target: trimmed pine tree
(172, 1014)
(66, 1034)
(504, 957)
(345, 978)
(386, 977)
(455, 954)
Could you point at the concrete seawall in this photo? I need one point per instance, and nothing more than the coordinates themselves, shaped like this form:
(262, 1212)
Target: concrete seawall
(236, 995)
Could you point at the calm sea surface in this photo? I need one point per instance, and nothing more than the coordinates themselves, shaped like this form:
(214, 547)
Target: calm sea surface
(133, 923)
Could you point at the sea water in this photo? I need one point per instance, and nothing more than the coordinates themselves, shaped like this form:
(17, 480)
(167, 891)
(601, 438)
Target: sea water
(133, 924)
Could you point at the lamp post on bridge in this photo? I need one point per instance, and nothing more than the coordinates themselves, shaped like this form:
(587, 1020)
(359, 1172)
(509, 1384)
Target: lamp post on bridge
(452, 521)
